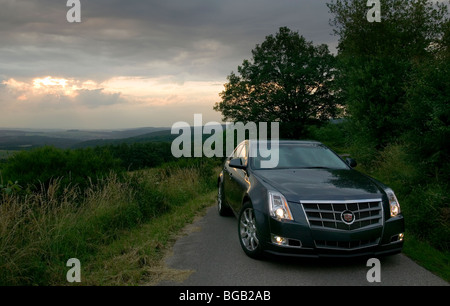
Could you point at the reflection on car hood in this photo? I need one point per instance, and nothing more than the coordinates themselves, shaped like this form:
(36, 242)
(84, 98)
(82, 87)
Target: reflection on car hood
(320, 184)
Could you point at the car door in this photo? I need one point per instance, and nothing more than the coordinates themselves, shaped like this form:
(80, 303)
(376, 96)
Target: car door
(229, 172)
(238, 183)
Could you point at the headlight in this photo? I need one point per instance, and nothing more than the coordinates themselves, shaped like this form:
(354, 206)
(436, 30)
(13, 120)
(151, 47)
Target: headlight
(393, 203)
(278, 207)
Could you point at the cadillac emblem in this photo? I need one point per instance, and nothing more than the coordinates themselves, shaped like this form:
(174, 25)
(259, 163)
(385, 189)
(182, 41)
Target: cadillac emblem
(348, 217)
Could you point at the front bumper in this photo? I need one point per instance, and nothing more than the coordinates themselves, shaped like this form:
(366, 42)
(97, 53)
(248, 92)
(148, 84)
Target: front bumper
(303, 240)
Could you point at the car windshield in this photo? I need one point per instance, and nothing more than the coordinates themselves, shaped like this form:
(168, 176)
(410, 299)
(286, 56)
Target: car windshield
(301, 156)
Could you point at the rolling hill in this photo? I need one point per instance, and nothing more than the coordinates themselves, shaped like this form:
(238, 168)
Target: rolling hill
(15, 139)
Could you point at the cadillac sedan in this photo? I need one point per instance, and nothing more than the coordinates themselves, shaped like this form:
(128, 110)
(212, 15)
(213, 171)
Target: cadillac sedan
(310, 203)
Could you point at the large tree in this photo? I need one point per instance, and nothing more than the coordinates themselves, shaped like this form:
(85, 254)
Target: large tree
(428, 109)
(376, 61)
(287, 80)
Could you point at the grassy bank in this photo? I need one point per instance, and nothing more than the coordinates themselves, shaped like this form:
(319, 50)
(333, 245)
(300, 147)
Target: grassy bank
(40, 231)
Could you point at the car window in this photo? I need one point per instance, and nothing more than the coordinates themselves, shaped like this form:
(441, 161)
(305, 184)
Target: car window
(303, 156)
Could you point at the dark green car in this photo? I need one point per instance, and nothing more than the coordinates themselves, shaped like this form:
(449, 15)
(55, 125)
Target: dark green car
(310, 203)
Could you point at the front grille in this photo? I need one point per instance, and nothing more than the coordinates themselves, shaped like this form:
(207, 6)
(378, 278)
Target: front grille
(346, 245)
(328, 214)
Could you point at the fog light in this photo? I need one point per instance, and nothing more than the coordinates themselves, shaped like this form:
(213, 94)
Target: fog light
(397, 238)
(278, 240)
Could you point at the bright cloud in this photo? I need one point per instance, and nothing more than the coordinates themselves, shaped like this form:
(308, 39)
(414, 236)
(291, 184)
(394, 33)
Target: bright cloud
(151, 91)
(49, 81)
(48, 86)
(163, 90)
(48, 90)
(50, 101)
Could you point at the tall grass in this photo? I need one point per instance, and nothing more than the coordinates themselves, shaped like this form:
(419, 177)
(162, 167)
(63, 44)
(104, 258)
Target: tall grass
(40, 231)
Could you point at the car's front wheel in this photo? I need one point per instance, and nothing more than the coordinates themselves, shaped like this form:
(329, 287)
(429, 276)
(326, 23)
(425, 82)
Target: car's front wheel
(248, 234)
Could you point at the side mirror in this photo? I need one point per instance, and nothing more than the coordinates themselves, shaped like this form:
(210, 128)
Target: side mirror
(237, 163)
(351, 162)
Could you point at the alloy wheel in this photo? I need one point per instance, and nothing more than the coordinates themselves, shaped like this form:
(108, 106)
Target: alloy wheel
(247, 230)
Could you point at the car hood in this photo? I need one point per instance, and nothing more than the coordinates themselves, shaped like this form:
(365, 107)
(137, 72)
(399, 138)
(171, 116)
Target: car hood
(320, 184)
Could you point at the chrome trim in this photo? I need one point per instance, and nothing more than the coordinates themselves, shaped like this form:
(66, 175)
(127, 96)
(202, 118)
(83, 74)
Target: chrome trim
(335, 220)
(339, 201)
(289, 246)
(306, 216)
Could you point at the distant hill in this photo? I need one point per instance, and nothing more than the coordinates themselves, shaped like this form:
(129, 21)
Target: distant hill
(29, 142)
(15, 139)
(80, 135)
(158, 136)
(77, 139)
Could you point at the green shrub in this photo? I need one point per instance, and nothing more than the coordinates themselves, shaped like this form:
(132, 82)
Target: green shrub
(395, 166)
(10, 188)
(76, 167)
(427, 214)
(334, 135)
(137, 156)
(424, 203)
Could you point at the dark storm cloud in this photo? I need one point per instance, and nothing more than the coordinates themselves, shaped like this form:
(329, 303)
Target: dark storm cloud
(202, 39)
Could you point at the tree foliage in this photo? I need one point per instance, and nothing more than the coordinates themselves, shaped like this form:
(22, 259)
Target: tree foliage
(428, 110)
(377, 60)
(287, 80)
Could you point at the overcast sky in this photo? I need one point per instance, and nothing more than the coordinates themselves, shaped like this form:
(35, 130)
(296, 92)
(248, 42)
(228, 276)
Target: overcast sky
(134, 63)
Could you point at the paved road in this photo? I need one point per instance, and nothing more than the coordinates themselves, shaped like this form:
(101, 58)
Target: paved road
(212, 250)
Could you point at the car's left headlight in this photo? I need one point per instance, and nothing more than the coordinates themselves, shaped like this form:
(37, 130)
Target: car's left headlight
(278, 206)
(393, 203)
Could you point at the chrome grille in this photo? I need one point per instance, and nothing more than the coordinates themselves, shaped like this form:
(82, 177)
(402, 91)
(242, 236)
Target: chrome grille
(327, 214)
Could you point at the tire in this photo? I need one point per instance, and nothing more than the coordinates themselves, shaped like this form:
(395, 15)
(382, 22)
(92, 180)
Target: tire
(223, 208)
(248, 234)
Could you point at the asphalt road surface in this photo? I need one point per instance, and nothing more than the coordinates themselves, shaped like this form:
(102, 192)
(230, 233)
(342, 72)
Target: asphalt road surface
(211, 250)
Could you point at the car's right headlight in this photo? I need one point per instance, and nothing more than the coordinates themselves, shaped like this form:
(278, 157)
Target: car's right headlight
(393, 203)
(278, 206)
